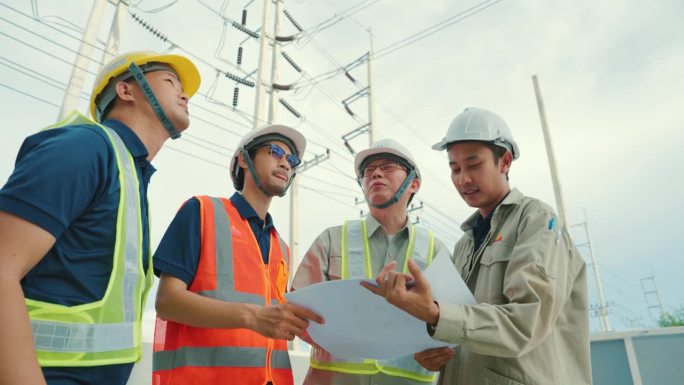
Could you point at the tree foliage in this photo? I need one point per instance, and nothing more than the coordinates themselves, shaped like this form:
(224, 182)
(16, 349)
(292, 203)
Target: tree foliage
(672, 318)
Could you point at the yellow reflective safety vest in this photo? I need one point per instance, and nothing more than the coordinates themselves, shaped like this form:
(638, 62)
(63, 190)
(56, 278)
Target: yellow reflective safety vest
(356, 263)
(107, 331)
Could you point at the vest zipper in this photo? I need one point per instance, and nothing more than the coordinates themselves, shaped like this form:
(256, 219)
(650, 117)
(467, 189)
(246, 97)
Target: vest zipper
(267, 295)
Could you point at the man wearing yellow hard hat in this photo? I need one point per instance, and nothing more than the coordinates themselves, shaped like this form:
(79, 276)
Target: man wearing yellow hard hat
(74, 229)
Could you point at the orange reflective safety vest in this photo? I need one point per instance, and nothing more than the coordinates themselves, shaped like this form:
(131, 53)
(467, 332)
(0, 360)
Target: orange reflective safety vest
(230, 269)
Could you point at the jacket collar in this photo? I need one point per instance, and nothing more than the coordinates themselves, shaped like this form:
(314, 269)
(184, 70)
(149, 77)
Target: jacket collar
(513, 198)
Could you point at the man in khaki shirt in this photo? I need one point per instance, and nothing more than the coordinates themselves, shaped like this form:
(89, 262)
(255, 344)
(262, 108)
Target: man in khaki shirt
(531, 323)
(389, 178)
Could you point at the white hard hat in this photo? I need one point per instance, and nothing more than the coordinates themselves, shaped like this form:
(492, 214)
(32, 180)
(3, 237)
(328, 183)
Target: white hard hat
(385, 146)
(480, 125)
(285, 134)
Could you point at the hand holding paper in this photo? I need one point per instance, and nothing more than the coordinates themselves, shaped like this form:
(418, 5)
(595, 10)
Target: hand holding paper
(415, 299)
(360, 324)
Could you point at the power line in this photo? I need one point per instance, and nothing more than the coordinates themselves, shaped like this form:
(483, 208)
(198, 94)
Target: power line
(224, 166)
(308, 175)
(45, 38)
(80, 40)
(324, 191)
(38, 76)
(434, 29)
(358, 7)
(46, 53)
(155, 10)
(29, 95)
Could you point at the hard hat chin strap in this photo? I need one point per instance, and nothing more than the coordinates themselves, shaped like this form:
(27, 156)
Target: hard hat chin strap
(255, 177)
(139, 77)
(397, 195)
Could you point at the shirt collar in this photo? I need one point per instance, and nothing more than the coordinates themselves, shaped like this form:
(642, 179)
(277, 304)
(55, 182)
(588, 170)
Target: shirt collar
(246, 210)
(372, 225)
(133, 143)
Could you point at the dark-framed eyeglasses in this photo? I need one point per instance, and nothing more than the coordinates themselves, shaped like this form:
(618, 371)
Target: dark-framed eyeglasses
(386, 168)
(278, 153)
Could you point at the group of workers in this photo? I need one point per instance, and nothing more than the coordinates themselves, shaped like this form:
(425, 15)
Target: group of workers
(76, 264)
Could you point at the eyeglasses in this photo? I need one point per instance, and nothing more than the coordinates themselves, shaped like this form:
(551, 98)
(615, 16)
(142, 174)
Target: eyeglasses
(278, 153)
(386, 168)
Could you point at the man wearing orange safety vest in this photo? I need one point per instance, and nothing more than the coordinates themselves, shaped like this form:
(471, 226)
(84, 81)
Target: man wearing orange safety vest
(222, 316)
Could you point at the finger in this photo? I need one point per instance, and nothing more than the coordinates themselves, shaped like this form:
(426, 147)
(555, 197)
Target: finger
(400, 284)
(390, 280)
(288, 335)
(418, 276)
(433, 353)
(299, 323)
(306, 314)
(380, 279)
(310, 315)
(372, 288)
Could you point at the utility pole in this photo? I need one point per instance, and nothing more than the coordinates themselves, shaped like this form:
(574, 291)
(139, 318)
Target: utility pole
(603, 307)
(78, 71)
(118, 21)
(272, 111)
(551, 156)
(274, 64)
(371, 94)
(260, 87)
(650, 292)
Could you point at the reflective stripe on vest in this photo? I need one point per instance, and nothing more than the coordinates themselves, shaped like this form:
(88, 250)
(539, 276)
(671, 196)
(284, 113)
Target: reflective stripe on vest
(219, 356)
(181, 346)
(106, 331)
(225, 285)
(356, 263)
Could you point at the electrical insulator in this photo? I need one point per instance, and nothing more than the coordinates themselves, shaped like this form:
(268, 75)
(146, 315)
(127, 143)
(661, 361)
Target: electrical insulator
(239, 58)
(244, 16)
(292, 20)
(245, 30)
(239, 79)
(236, 92)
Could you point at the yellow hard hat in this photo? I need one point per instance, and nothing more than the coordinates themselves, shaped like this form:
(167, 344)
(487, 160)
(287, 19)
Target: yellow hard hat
(185, 70)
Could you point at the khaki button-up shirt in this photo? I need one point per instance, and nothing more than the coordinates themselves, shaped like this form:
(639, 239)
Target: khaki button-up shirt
(531, 323)
(322, 262)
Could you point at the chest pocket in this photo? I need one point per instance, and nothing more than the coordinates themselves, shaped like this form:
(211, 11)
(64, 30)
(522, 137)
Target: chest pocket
(493, 265)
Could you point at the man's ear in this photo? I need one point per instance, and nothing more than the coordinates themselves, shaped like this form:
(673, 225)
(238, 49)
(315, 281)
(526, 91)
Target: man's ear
(241, 160)
(506, 161)
(415, 185)
(124, 91)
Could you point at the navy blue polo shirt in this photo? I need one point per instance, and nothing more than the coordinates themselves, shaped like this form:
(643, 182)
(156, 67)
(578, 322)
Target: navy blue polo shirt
(66, 181)
(179, 251)
(481, 226)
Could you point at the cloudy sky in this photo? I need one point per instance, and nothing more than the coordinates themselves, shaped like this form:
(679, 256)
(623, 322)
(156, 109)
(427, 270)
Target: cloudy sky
(611, 74)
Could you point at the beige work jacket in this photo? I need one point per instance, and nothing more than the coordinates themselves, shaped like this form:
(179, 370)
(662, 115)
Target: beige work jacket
(531, 323)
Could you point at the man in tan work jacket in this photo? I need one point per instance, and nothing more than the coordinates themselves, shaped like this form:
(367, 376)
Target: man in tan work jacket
(531, 323)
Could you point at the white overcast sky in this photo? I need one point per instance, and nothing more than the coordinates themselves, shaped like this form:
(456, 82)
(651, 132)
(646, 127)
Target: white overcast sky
(611, 74)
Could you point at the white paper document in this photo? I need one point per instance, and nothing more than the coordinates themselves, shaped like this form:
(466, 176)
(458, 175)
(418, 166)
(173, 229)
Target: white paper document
(360, 324)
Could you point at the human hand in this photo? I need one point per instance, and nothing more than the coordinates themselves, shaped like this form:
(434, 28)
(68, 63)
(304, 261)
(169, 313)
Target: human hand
(411, 293)
(284, 321)
(434, 359)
